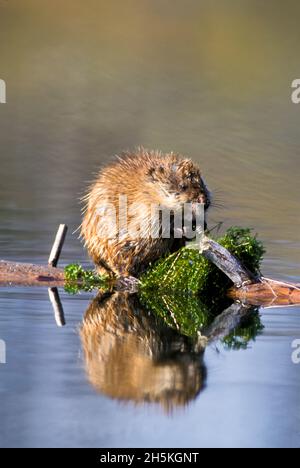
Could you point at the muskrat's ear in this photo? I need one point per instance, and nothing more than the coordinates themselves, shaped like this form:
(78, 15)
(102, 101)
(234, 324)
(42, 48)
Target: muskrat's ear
(155, 172)
(188, 169)
(151, 173)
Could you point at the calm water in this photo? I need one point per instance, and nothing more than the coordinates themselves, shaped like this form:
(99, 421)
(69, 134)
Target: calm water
(84, 81)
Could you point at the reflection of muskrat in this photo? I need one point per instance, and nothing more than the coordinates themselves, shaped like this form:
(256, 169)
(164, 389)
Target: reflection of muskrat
(132, 355)
(145, 178)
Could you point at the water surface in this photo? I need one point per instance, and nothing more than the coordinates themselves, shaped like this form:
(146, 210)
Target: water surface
(86, 80)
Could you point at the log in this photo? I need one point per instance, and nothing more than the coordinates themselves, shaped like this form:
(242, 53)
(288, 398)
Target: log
(36, 275)
(29, 274)
(263, 292)
(247, 288)
(225, 261)
(267, 292)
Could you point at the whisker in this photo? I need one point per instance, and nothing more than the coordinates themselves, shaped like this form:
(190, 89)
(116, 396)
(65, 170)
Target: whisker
(217, 205)
(217, 195)
(216, 228)
(217, 202)
(218, 191)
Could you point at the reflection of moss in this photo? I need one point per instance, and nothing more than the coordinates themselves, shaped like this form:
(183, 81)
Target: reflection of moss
(187, 270)
(188, 315)
(184, 313)
(248, 330)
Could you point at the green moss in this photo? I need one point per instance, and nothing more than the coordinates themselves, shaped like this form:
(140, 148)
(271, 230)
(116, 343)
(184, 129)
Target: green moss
(183, 271)
(78, 279)
(186, 290)
(187, 270)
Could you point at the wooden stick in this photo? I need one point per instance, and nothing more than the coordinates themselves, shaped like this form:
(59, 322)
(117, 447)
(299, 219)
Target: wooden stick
(58, 244)
(226, 262)
(57, 307)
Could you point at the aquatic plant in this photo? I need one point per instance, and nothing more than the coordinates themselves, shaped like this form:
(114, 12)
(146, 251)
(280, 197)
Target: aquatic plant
(77, 278)
(246, 332)
(187, 270)
(184, 289)
(183, 271)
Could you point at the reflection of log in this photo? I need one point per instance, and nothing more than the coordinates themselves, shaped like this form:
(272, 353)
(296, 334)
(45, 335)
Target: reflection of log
(227, 321)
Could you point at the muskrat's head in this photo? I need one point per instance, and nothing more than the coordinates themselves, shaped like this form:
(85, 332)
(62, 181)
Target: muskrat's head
(180, 181)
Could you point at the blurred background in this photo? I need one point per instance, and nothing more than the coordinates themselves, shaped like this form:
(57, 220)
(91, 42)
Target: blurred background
(212, 80)
(88, 79)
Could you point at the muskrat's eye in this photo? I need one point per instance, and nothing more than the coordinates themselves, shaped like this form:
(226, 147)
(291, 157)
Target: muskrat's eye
(183, 187)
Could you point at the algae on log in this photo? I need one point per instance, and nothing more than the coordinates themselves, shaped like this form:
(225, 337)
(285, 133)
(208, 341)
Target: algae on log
(228, 267)
(237, 254)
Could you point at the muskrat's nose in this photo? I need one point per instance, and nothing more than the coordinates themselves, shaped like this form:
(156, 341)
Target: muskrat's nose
(204, 199)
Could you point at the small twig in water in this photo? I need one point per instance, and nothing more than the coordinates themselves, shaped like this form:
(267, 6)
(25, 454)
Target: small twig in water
(58, 244)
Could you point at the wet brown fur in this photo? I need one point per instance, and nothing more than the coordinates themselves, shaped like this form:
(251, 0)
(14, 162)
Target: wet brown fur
(145, 178)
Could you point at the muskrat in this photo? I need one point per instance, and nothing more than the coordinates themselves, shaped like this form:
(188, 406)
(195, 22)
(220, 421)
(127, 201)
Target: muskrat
(144, 179)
